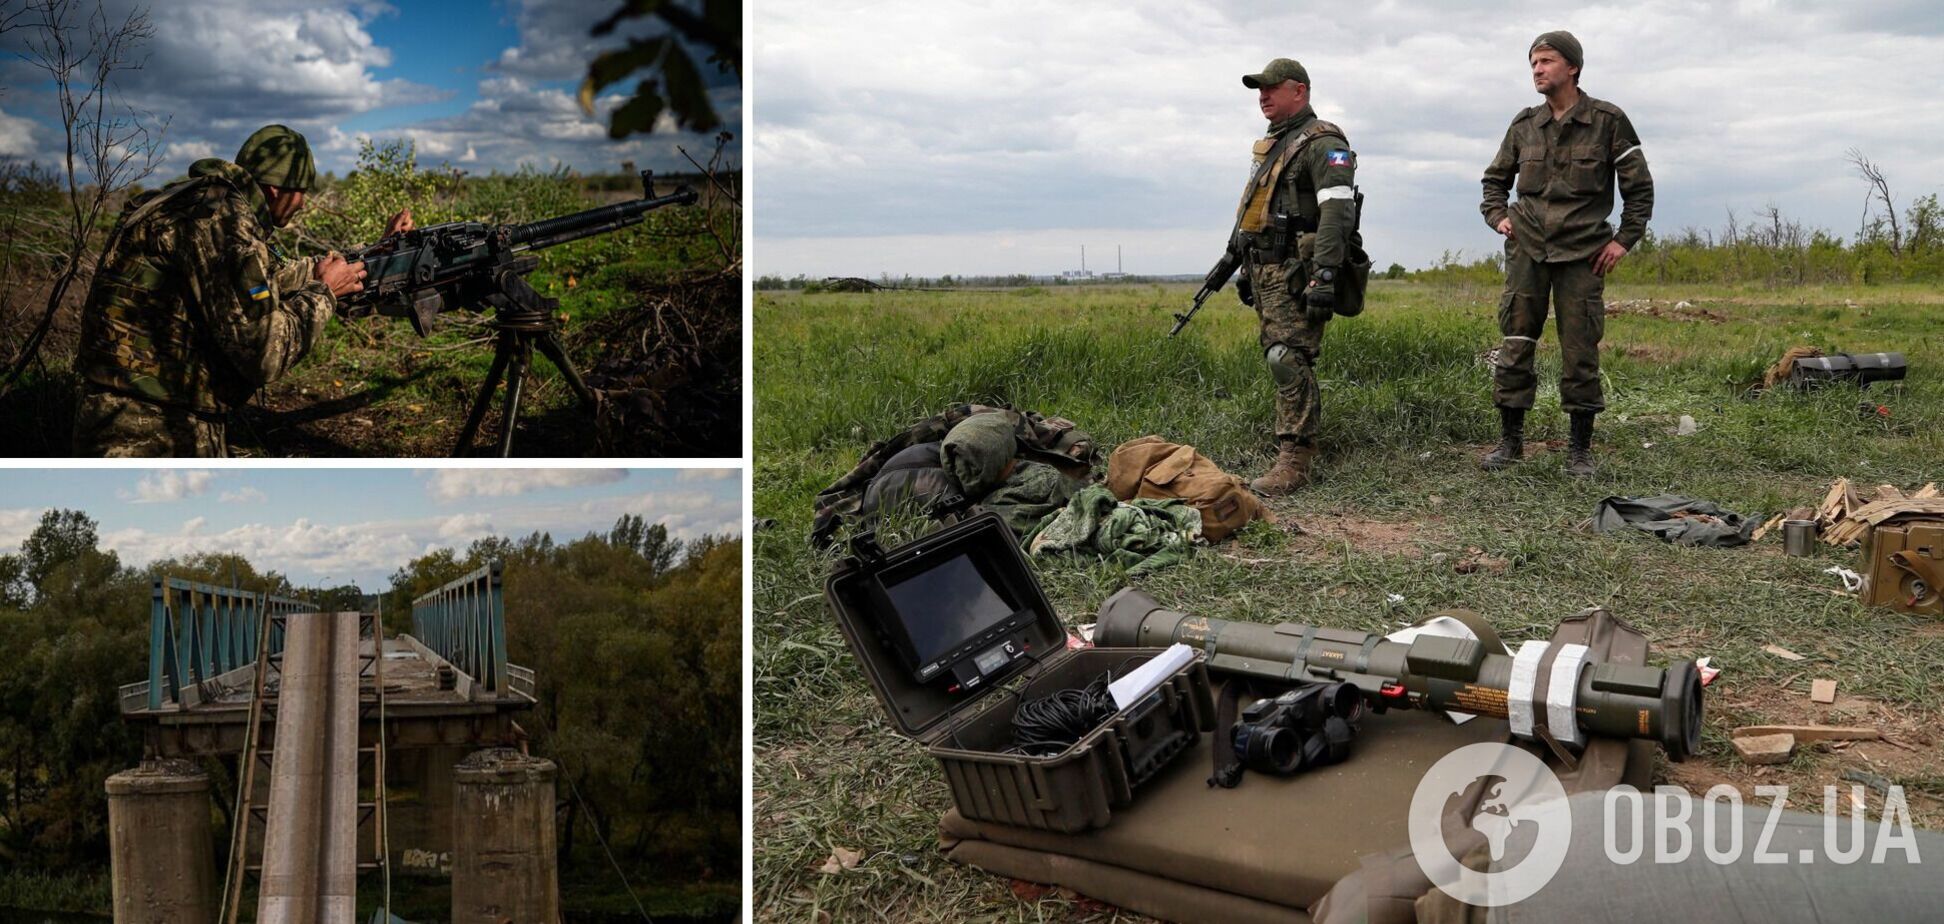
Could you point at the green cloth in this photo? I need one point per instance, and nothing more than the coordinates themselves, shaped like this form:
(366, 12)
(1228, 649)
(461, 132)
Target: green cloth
(1034, 491)
(1141, 536)
(1276, 72)
(1676, 519)
(977, 450)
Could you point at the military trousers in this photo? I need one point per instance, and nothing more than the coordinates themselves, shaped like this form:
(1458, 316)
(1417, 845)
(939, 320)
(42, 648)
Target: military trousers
(1578, 298)
(115, 426)
(1279, 309)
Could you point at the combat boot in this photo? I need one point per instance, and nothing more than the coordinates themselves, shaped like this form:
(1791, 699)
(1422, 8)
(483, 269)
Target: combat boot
(1511, 447)
(1579, 446)
(1291, 471)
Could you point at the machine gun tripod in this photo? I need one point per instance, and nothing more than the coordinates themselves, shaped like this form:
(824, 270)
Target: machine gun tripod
(523, 321)
(468, 264)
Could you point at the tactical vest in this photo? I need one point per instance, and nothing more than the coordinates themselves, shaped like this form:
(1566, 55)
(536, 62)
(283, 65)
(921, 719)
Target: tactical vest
(1273, 155)
(138, 335)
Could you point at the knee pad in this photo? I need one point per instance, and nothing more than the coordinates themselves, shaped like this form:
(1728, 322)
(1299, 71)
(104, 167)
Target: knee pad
(1285, 365)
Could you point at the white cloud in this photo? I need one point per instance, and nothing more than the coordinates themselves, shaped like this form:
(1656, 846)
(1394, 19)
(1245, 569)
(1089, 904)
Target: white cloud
(168, 485)
(709, 474)
(243, 495)
(455, 483)
(952, 129)
(465, 526)
(16, 136)
(16, 525)
(193, 525)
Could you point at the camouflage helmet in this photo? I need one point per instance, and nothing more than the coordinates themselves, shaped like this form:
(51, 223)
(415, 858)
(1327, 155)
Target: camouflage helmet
(277, 155)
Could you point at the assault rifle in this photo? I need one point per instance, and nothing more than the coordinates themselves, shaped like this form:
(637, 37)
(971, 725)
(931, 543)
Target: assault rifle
(1219, 276)
(475, 266)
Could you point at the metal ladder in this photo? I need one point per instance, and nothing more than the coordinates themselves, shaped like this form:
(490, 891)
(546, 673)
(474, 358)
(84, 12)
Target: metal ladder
(255, 753)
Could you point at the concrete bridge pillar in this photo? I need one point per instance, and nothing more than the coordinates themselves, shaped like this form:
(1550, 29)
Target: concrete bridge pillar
(161, 854)
(503, 853)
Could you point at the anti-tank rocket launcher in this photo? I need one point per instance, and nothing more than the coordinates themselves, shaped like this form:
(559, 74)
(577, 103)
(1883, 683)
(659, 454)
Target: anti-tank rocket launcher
(473, 265)
(464, 264)
(1544, 688)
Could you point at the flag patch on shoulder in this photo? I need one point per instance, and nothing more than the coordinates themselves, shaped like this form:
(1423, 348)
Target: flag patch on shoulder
(1338, 158)
(259, 293)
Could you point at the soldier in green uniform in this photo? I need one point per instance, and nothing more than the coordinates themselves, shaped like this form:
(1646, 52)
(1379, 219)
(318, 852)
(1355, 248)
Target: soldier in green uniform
(193, 309)
(1566, 157)
(1294, 228)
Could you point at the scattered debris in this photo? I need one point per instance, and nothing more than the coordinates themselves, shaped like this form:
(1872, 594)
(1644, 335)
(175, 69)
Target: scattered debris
(1764, 749)
(1475, 560)
(1807, 733)
(1682, 310)
(1822, 691)
(1708, 674)
(1783, 653)
(1845, 516)
(1876, 781)
(1687, 426)
(840, 859)
(1852, 581)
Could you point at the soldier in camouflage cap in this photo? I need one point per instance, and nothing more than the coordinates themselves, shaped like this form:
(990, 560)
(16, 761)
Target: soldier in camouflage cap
(1296, 227)
(193, 309)
(1566, 156)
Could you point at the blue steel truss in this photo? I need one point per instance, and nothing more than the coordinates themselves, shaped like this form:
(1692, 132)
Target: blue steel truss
(464, 622)
(198, 632)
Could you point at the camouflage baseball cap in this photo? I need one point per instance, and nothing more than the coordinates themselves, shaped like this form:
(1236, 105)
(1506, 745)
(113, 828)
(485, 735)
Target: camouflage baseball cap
(1563, 42)
(279, 156)
(1276, 72)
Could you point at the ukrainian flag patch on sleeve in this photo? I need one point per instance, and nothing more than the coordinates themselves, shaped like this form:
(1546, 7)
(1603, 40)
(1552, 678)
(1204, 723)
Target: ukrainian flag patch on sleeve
(259, 293)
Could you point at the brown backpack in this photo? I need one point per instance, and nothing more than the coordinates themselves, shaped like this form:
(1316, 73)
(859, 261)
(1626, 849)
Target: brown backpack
(1153, 467)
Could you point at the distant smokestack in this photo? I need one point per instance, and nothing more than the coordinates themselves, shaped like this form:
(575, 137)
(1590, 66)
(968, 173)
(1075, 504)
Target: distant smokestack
(1083, 258)
(1117, 260)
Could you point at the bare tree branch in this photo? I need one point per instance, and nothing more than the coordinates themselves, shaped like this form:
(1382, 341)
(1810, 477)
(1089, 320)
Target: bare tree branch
(1879, 189)
(112, 143)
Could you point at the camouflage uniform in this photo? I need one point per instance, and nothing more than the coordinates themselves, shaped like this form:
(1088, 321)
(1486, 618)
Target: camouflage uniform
(1565, 171)
(1303, 169)
(191, 311)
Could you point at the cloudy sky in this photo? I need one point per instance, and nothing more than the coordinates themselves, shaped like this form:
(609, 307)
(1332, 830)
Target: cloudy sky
(359, 525)
(1001, 136)
(483, 84)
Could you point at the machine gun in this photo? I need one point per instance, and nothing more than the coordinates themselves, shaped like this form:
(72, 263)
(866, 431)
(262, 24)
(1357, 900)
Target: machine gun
(1219, 276)
(475, 266)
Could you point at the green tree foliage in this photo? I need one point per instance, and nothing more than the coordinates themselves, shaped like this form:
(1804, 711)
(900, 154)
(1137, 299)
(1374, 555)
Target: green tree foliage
(674, 82)
(84, 631)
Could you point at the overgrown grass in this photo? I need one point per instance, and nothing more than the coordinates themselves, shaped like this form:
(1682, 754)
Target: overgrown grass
(1407, 409)
(35, 890)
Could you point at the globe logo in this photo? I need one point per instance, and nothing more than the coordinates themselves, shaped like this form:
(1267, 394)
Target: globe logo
(1521, 815)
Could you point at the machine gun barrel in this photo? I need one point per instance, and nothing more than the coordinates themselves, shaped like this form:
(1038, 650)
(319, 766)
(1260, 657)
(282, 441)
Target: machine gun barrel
(600, 220)
(1580, 696)
(1211, 284)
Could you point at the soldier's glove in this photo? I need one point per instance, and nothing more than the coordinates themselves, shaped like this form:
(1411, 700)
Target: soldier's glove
(1319, 297)
(1245, 290)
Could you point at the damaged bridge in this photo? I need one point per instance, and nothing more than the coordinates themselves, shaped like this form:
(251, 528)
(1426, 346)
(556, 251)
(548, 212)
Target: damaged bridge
(348, 753)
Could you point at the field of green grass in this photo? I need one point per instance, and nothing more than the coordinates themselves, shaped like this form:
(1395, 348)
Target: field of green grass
(1399, 508)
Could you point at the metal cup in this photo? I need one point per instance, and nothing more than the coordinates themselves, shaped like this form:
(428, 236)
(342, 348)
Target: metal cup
(1798, 537)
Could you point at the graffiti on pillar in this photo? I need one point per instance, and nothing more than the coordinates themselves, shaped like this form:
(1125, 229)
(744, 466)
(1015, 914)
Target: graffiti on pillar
(427, 861)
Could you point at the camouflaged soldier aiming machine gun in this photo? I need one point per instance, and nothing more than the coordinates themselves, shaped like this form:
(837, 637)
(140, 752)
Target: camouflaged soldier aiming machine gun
(1219, 276)
(475, 266)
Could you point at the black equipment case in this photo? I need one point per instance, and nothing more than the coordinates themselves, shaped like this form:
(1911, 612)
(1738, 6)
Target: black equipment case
(970, 731)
